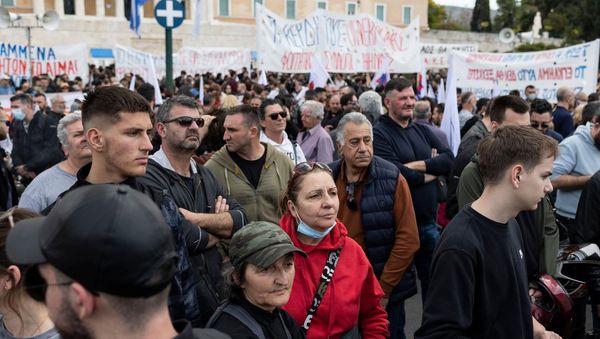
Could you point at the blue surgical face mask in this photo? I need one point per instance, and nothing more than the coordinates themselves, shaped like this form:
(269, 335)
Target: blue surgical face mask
(311, 232)
(17, 114)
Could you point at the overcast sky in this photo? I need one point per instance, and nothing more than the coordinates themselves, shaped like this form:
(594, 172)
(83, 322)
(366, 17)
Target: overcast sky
(464, 3)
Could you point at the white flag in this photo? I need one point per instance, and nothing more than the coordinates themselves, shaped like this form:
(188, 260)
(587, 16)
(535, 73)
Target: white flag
(382, 76)
(430, 92)
(422, 86)
(197, 19)
(201, 90)
(132, 83)
(318, 73)
(450, 124)
(262, 79)
(496, 91)
(441, 93)
(153, 80)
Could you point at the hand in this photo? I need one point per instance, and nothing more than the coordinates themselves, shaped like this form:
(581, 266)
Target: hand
(535, 293)
(434, 152)
(384, 302)
(221, 205)
(187, 214)
(202, 159)
(429, 177)
(546, 335)
(412, 165)
(212, 241)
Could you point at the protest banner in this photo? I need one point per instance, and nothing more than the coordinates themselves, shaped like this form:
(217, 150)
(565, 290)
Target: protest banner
(575, 66)
(214, 60)
(129, 60)
(435, 55)
(346, 43)
(54, 61)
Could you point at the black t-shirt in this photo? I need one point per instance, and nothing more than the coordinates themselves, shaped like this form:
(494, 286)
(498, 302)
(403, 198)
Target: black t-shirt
(270, 323)
(250, 168)
(478, 286)
(189, 182)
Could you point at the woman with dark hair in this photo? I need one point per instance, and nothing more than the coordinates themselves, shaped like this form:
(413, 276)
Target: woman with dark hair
(335, 291)
(21, 316)
(260, 283)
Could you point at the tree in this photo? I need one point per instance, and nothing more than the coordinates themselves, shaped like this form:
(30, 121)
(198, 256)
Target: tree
(506, 17)
(480, 20)
(436, 15)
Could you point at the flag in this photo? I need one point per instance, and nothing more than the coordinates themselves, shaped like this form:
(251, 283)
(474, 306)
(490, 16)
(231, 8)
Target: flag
(383, 73)
(132, 83)
(134, 18)
(495, 90)
(430, 92)
(450, 124)
(197, 19)
(441, 94)
(262, 79)
(318, 73)
(201, 90)
(422, 83)
(153, 80)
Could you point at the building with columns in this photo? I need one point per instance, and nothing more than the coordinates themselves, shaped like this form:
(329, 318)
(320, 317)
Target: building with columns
(224, 23)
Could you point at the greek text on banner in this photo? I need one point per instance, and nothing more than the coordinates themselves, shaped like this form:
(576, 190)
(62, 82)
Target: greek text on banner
(345, 43)
(575, 66)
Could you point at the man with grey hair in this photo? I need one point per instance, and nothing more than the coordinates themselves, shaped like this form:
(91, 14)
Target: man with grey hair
(48, 185)
(562, 117)
(57, 111)
(370, 105)
(314, 139)
(211, 214)
(422, 116)
(377, 210)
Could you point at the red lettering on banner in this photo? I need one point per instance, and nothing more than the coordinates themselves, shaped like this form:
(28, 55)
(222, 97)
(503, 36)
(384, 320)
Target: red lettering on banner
(481, 74)
(296, 61)
(338, 61)
(506, 75)
(555, 73)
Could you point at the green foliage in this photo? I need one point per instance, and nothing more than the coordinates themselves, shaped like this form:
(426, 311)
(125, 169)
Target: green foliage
(436, 15)
(480, 20)
(538, 46)
(507, 15)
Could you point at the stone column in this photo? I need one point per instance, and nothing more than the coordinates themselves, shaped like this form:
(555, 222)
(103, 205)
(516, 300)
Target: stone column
(100, 12)
(59, 7)
(120, 10)
(79, 7)
(38, 7)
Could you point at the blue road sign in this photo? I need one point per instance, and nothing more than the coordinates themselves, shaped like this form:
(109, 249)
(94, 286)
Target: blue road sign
(169, 13)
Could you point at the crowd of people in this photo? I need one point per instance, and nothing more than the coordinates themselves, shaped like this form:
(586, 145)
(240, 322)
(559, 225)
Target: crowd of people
(283, 211)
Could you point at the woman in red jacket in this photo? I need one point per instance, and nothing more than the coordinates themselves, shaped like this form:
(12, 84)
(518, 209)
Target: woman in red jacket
(350, 301)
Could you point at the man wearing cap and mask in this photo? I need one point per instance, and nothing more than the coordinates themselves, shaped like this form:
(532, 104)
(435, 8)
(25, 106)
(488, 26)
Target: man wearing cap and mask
(117, 284)
(35, 144)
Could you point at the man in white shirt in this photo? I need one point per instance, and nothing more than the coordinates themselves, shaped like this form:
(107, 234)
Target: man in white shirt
(273, 119)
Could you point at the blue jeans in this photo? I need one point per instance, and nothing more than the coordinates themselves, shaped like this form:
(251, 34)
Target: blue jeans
(397, 319)
(429, 236)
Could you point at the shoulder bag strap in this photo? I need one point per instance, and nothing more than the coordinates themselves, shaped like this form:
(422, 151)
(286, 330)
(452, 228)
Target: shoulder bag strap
(323, 283)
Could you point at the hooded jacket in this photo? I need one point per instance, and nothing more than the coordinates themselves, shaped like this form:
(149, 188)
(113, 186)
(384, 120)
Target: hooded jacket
(352, 296)
(261, 203)
(578, 156)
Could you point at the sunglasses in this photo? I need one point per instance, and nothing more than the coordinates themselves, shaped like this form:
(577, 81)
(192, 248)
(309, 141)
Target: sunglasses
(537, 124)
(274, 116)
(36, 286)
(186, 121)
(305, 167)
(350, 201)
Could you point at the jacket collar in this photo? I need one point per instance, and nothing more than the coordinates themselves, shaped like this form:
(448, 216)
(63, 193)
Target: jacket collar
(161, 158)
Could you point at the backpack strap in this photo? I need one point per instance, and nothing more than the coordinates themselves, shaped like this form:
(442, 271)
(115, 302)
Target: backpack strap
(240, 314)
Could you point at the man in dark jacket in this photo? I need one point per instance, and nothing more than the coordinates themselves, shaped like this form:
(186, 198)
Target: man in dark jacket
(421, 157)
(211, 215)
(377, 210)
(35, 144)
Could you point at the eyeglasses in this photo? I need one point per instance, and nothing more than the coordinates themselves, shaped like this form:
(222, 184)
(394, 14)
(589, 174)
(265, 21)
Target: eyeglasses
(536, 124)
(36, 286)
(186, 121)
(305, 167)
(351, 201)
(274, 116)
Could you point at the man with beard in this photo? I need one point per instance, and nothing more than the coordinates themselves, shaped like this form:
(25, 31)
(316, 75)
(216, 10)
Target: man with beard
(211, 214)
(47, 186)
(57, 111)
(420, 157)
(577, 161)
(104, 259)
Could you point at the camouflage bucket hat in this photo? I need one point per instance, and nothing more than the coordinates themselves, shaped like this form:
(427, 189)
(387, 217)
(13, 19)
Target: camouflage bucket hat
(261, 244)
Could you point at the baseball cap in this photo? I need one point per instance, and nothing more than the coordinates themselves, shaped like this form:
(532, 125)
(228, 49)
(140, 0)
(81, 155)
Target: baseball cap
(109, 238)
(261, 244)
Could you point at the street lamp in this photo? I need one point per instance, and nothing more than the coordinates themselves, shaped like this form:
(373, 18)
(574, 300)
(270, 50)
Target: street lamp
(48, 21)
